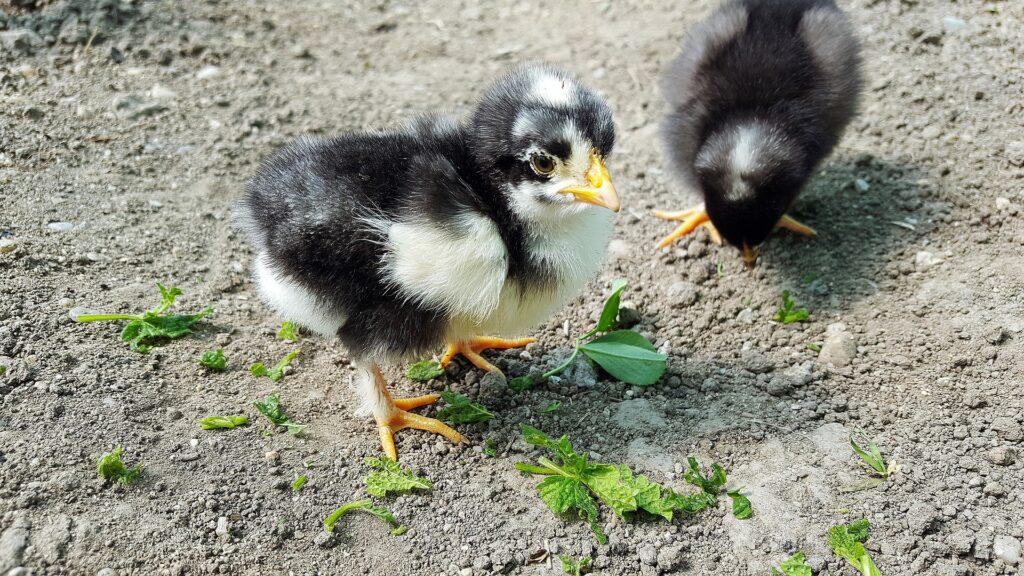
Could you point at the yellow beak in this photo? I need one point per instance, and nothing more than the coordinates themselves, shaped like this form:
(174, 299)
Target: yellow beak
(600, 191)
(750, 254)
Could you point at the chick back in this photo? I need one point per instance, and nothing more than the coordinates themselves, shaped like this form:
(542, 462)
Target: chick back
(793, 63)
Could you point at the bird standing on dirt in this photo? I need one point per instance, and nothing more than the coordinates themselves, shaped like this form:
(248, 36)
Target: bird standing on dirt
(438, 232)
(760, 93)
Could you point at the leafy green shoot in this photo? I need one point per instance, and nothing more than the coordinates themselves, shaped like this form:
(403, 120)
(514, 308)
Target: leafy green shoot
(814, 347)
(793, 566)
(571, 484)
(869, 453)
(3, 369)
(624, 354)
(741, 507)
(277, 372)
(847, 541)
(215, 422)
(574, 568)
(425, 370)
(720, 269)
(809, 278)
(391, 478)
(489, 450)
(521, 383)
(110, 467)
(152, 327)
(288, 332)
(552, 406)
(271, 408)
(299, 482)
(214, 360)
(788, 313)
(366, 506)
(460, 410)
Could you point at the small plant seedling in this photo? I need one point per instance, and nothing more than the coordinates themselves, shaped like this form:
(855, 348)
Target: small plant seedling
(574, 568)
(214, 360)
(814, 347)
(489, 450)
(741, 507)
(277, 372)
(793, 566)
(366, 506)
(425, 370)
(521, 383)
(3, 369)
(110, 467)
(809, 278)
(572, 483)
(288, 332)
(271, 408)
(624, 354)
(298, 483)
(215, 422)
(460, 410)
(143, 331)
(871, 456)
(391, 478)
(848, 540)
(788, 313)
(552, 406)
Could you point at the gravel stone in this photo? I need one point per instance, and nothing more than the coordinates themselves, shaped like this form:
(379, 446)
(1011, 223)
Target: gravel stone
(1007, 549)
(839, 348)
(923, 518)
(1001, 455)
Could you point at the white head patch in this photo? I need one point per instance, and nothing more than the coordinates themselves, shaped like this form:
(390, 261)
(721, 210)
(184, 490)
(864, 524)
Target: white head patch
(552, 90)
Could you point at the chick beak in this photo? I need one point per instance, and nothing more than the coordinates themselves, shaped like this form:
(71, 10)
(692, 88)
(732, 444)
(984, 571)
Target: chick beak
(750, 254)
(599, 191)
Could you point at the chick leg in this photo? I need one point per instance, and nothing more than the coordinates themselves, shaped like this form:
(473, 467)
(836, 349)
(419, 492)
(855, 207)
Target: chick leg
(790, 223)
(471, 350)
(691, 219)
(392, 414)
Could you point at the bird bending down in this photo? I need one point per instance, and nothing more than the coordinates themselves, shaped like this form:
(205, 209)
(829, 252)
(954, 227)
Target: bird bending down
(760, 93)
(439, 232)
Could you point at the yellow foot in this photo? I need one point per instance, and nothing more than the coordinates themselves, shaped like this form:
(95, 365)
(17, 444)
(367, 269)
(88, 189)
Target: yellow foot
(789, 223)
(393, 415)
(691, 219)
(471, 350)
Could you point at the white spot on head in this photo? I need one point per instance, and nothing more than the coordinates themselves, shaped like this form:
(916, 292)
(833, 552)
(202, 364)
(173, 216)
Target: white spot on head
(552, 90)
(744, 155)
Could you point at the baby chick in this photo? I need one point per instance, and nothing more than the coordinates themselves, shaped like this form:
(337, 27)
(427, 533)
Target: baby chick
(760, 93)
(439, 232)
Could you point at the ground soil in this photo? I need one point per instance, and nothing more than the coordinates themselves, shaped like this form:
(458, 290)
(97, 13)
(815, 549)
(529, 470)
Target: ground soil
(127, 130)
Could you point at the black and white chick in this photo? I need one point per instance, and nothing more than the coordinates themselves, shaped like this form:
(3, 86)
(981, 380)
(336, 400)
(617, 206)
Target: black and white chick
(440, 232)
(759, 95)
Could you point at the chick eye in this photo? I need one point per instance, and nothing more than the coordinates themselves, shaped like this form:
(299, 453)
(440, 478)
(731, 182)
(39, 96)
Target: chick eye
(542, 164)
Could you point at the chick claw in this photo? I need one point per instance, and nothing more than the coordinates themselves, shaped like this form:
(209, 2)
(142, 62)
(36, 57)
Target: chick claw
(693, 218)
(400, 419)
(471, 350)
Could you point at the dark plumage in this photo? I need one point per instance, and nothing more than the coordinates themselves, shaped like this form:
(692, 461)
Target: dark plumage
(759, 95)
(399, 241)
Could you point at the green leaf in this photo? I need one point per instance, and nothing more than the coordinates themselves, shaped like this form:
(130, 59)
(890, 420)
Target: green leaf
(788, 314)
(872, 456)
(610, 312)
(271, 408)
(214, 359)
(847, 541)
(364, 505)
(298, 483)
(277, 372)
(628, 356)
(712, 486)
(562, 494)
(814, 347)
(460, 410)
(552, 406)
(574, 568)
(521, 383)
(489, 450)
(3, 369)
(214, 422)
(794, 566)
(110, 467)
(425, 370)
(288, 332)
(741, 508)
(392, 478)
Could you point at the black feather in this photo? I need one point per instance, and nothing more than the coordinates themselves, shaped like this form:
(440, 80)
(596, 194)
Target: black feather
(785, 72)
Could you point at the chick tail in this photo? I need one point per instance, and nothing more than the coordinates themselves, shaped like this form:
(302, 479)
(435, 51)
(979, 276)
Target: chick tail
(392, 415)
(791, 224)
(693, 218)
(471, 349)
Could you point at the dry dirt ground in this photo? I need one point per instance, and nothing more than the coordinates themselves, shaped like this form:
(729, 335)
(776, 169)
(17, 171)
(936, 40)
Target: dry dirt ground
(127, 129)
